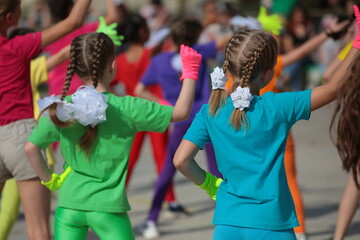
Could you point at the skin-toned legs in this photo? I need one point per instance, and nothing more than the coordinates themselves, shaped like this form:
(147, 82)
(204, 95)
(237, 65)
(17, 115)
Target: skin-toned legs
(35, 199)
(347, 208)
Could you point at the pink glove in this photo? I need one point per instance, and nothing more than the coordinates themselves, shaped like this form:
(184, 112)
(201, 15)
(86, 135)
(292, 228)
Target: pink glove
(191, 61)
(356, 43)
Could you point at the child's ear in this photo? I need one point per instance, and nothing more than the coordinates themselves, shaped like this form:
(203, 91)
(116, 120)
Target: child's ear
(8, 17)
(113, 66)
(268, 74)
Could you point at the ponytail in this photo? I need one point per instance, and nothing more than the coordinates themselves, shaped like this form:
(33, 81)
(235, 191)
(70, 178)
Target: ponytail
(88, 138)
(69, 74)
(246, 70)
(217, 100)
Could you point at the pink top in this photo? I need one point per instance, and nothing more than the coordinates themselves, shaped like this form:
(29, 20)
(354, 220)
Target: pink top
(57, 75)
(130, 73)
(15, 89)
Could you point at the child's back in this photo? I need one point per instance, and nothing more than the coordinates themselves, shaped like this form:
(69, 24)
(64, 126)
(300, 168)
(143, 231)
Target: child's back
(253, 158)
(100, 170)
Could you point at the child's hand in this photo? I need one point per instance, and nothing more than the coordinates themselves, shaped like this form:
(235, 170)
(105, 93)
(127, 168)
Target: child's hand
(270, 23)
(110, 30)
(191, 61)
(337, 29)
(211, 185)
(57, 180)
(356, 43)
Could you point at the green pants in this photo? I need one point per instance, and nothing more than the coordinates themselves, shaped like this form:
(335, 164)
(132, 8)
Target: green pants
(74, 224)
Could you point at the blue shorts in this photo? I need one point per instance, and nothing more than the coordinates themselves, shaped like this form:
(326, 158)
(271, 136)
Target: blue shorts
(227, 232)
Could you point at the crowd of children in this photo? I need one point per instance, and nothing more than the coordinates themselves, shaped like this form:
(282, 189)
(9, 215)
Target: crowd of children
(101, 105)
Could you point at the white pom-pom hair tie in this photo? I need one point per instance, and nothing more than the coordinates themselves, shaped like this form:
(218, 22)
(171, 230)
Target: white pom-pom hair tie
(241, 98)
(88, 107)
(218, 78)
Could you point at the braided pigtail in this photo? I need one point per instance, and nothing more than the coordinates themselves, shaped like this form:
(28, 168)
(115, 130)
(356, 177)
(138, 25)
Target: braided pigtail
(218, 96)
(88, 138)
(248, 53)
(69, 74)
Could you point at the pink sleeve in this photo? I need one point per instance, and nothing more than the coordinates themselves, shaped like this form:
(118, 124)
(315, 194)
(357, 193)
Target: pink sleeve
(66, 40)
(27, 46)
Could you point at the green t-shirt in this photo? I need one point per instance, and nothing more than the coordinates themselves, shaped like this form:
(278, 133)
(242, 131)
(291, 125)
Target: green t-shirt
(97, 183)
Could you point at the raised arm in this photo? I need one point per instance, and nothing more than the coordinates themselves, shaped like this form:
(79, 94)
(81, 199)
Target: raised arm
(112, 14)
(58, 58)
(309, 46)
(73, 21)
(191, 61)
(325, 94)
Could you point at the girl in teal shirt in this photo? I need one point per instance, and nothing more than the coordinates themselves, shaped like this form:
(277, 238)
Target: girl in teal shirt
(96, 129)
(249, 134)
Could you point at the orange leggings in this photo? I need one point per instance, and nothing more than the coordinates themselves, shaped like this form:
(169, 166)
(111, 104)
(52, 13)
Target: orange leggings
(290, 168)
(159, 147)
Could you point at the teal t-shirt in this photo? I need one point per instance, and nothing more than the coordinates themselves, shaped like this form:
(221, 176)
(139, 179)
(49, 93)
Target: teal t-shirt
(97, 183)
(254, 193)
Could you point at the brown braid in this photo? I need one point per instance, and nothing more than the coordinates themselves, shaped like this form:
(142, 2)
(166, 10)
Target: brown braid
(96, 59)
(69, 74)
(247, 54)
(88, 138)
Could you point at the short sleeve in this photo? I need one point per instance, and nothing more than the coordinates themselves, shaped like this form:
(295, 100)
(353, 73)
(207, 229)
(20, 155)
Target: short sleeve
(197, 132)
(294, 106)
(149, 77)
(207, 50)
(148, 116)
(26, 46)
(44, 133)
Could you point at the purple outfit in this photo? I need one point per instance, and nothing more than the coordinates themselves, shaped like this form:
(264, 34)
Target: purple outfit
(162, 72)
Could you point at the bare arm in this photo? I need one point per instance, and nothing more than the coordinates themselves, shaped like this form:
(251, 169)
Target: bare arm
(325, 94)
(37, 161)
(58, 58)
(331, 68)
(185, 163)
(112, 14)
(309, 46)
(183, 106)
(73, 21)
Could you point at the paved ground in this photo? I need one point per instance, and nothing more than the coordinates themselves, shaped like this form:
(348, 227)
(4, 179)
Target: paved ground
(320, 176)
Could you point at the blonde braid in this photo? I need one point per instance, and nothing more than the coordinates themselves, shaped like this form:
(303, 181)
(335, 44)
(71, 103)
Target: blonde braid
(218, 96)
(248, 69)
